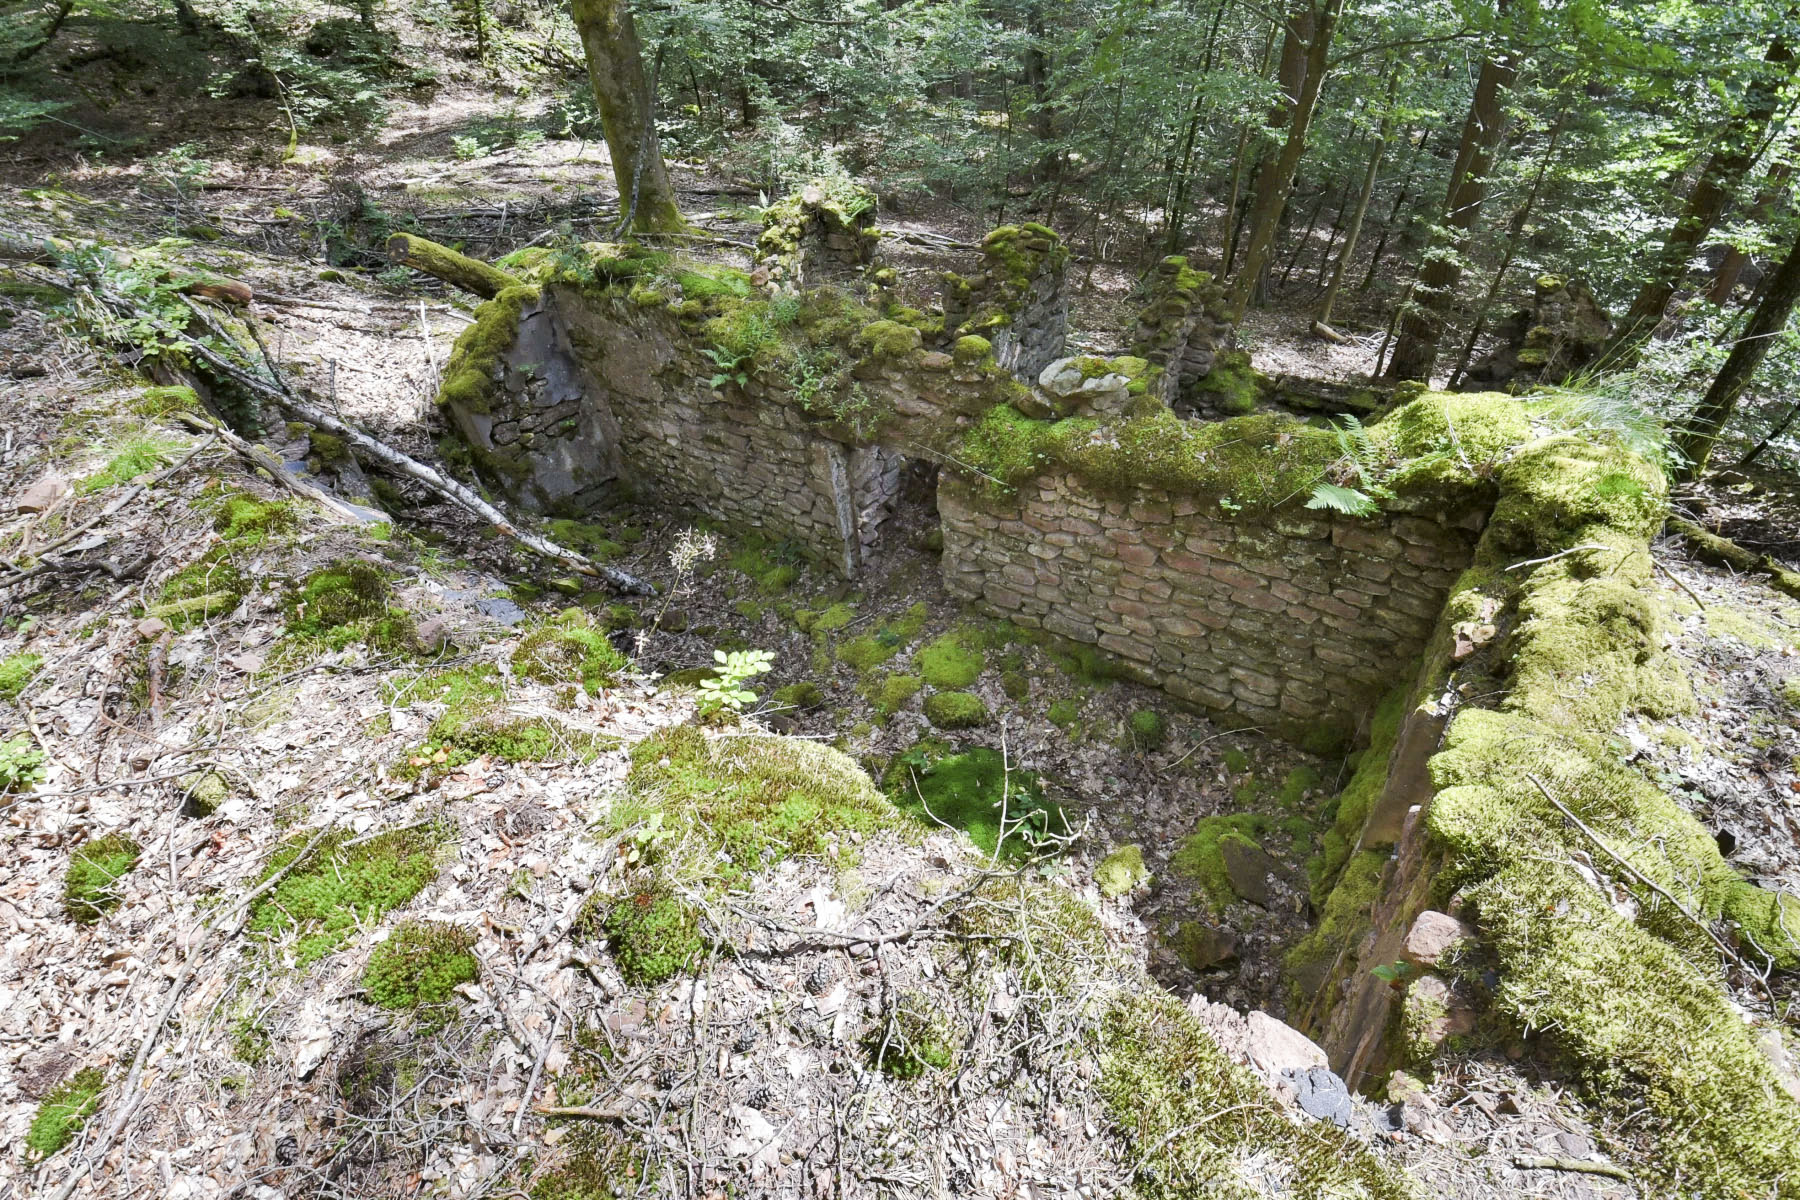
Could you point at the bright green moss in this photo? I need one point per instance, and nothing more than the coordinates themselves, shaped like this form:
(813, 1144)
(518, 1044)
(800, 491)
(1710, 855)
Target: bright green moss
(1064, 712)
(477, 360)
(420, 965)
(1235, 760)
(832, 619)
(654, 935)
(952, 661)
(893, 692)
(1148, 729)
(346, 602)
(956, 710)
(1201, 855)
(137, 456)
(568, 648)
(888, 339)
(89, 886)
(1358, 798)
(592, 540)
(1232, 386)
(745, 802)
(974, 791)
(157, 402)
(63, 1112)
(1345, 917)
(477, 722)
(772, 565)
(1121, 871)
(701, 282)
(1165, 1080)
(244, 518)
(1295, 785)
(1790, 690)
(971, 349)
(16, 671)
(865, 653)
(804, 696)
(206, 588)
(1569, 490)
(344, 884)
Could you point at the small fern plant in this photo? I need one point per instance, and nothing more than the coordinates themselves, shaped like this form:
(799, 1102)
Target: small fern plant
(1359, 463)
(732, 368)
(725, 692)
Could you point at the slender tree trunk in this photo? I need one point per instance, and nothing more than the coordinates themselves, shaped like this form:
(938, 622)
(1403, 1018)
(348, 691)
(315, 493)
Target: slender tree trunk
(1037, 77)
(1732, 268)
(1234, 211)
(1400, 196)
(1515, 229)
(1178, 195)
(1781, 427)
(1270, 194)
(43, 39)
(1719, 182)
(627, 114)
(1702, 428)
(1276, 186)
(1422, 324)
(1312, 223)
(1362, 203)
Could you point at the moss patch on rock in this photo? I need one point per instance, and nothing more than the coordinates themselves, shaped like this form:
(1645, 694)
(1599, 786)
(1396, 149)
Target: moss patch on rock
(956, 710)
(16, 671)
(570, 648)
(1121, 871)
(952, 661)
(477, 361)
(1201, 855)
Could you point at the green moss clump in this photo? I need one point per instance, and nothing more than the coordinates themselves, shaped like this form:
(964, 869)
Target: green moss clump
(205, 791)
(591, 540)
(340, 887)
(914, 1041)
(420, 965)
(157, 402)
(1201, 855)
(972, 348)
(956, 710)
(1235, 760)
(244, 518)
(698, 283)
(888, 339)
(1149, 731)
(64, 1111)
(1065, 712)
(653, 934)
(835, 617)
(1121, 871)
(1344, 917)
(743, 803)
(971, 790)
(603, 1165)
(346, 602)
(952, 661)
(208, 587)
(893, 692)
(774, 566)
(477, 361)
(137, 456)
(88, 887)
(1232, 386)
(1163, 1078)
(865, 653)
(570, 647)
(1790, 690)
(475, 722)
(1358, 798)
(804, 696)
(16, 671)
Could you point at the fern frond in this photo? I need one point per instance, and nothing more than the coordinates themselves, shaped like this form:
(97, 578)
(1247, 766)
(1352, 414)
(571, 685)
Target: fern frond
(1341, 499)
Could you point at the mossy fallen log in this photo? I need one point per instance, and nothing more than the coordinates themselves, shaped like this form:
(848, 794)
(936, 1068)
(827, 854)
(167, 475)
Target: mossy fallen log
(458, 270)
(1723, 552)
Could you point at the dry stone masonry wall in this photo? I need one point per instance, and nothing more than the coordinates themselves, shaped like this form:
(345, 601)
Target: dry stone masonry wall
(1292, 621)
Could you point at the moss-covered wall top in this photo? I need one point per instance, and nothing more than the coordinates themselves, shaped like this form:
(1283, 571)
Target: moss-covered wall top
(1600, 904)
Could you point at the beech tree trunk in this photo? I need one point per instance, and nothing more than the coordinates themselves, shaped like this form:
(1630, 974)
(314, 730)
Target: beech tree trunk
(1719, 182)
(1732, 267)
(1422, 324)
(616, 70)
(1273, 189)
(1290, 77)
(1363, 197)
(1702, 428)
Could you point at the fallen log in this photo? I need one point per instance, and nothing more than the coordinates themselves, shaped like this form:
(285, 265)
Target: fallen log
(1723, 552)
(457, 270)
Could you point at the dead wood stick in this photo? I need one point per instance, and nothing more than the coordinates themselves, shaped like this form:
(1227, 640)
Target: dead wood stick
(579, 1110)
(261, 456)
(1723, 552)
(1527, 1162)
(458, 270)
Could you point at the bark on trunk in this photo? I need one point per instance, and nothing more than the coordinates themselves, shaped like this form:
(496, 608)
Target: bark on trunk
(1273, 189)
(457, 270)
(1703, 426)
(1422, 324)
(1362, 208)
(616, 70)
(1719, 182)
(1731, 269)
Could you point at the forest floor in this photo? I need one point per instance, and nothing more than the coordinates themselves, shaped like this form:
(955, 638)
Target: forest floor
(274, 1078)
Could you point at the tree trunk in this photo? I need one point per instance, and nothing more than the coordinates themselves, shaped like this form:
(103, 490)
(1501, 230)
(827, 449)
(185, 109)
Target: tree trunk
(1422, 325)
(1732, 268)
(1703, 426)
(1362, 204)
(1718, 183)
(1290, 78)
(1387, 226)
(1233, 217)
(627, 114)
(1273, 189)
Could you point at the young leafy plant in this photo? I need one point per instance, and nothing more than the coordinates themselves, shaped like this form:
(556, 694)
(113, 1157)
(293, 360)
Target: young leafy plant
(725, 692)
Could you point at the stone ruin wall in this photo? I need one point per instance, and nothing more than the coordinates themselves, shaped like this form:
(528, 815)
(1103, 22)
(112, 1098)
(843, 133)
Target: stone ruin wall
(1295, 622)
(1292, 621)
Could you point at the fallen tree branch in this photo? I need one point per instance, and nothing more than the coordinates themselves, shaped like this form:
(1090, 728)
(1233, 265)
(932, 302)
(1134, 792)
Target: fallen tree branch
(457, 270)
(263, 457)
(1723, 552)
(1527, 1162)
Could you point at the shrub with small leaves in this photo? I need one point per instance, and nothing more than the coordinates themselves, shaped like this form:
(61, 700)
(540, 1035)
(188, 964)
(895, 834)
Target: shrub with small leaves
(725, 692)
(89, 890)
(420, 965)
(21, 764)
(63, 1112)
